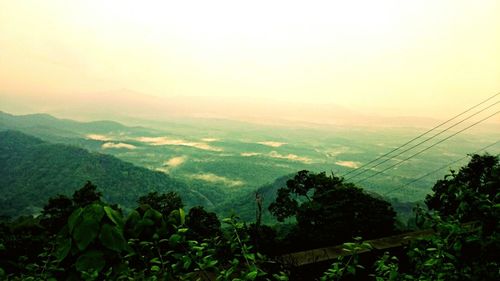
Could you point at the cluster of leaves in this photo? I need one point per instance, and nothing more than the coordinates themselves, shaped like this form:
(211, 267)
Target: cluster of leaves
(464, 214)
(98, 242)
(347, 266)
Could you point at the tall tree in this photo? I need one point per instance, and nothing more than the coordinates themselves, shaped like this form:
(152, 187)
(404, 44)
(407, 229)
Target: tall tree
(55, 214)
(164, 203)
(329, 211)
(202, 224)
(86, 195)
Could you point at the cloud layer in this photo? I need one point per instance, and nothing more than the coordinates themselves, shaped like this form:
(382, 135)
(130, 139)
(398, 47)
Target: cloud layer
(179, 142)
(98, 137)
(272, 143)
(213, 178)
(118, 145)
(348, 164)
(276, 155)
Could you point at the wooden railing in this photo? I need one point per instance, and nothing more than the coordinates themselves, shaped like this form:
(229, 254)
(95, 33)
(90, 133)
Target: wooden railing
(331, 253)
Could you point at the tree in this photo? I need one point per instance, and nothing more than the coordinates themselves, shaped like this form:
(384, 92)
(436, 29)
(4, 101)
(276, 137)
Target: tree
(329, 211)
(86, 195)
(164, 203)
(55, 214)
(202, 224)
(468, 193)
(464, 214)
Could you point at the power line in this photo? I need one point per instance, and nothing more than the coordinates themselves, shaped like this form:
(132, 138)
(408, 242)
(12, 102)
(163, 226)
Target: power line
(427, 148)
(426, 140)
(438, 169)
(421, 135)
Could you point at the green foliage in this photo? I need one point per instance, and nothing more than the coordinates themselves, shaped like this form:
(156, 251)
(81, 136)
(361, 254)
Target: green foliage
(93, 238)
(347, 268)
(97, 242)
(86, 195)
(386, 268)
(56, 212)
(112, 238)
(92, 260)
(202, 224)
(165, 203)
(457, 250)
(329, 211)
(468, 194)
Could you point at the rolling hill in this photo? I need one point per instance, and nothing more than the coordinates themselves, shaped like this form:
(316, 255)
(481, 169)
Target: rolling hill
(32, 170)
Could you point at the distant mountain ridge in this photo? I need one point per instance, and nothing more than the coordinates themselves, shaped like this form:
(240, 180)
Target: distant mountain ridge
(32, 170)
(41, 122)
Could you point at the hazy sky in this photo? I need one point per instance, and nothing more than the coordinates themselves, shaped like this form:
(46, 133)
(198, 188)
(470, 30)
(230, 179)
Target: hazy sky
(426, 57)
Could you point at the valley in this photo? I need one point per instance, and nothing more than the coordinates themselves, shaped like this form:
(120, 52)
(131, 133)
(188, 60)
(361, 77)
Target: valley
(227, 161)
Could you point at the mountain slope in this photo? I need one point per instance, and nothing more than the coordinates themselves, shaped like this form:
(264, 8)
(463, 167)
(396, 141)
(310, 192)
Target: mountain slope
(32, 170)
(245, 205)
(51, 128)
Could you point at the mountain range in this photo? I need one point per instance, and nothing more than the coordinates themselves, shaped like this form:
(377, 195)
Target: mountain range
(32, 170)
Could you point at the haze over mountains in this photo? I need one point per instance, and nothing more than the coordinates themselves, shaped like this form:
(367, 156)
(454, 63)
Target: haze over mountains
(220, 163)
(133, 107)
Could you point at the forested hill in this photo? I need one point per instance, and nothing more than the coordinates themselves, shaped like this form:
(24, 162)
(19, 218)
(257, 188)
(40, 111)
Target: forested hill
(32, 170)
(245, 204)
(48, 127)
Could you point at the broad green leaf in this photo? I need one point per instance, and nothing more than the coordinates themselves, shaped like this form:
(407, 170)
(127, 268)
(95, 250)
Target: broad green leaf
(187, 262)
(63, 247)
(174, 239)
(133, 218)
(249, 256)
(183, 230)
(146, 222)
(112, 238)
(152, 214)
(155, 268)
(251, 275)
(114, 216)
(73, 219)
(91, 260)
(94, 211)
(155, 260)
(182, 215)
(431, 262)
(393, 275)
(85, 232)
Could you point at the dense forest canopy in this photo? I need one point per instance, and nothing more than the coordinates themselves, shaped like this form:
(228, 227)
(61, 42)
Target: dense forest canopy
(83, 237)
(33, 170)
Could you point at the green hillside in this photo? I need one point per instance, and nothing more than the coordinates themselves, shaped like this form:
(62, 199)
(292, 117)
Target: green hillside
(32, 170)
(228, 161)
(245, 205)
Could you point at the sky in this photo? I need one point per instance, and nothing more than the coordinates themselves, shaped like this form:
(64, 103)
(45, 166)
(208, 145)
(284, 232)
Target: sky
(430, 58)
